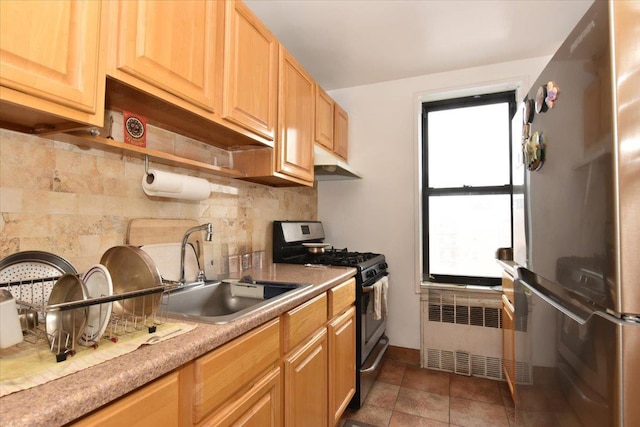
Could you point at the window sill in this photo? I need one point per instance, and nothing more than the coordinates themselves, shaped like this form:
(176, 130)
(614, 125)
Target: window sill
(426, 286)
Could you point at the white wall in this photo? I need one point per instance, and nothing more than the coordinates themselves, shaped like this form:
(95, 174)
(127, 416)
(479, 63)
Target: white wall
(378, 213)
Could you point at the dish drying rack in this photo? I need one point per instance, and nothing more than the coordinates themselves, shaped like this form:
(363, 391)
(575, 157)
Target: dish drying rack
(131, 312)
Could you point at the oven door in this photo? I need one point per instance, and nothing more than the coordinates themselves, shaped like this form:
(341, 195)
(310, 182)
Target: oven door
(373, 328)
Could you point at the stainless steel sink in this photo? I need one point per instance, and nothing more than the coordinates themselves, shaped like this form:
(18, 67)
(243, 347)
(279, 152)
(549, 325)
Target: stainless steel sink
(214, 301)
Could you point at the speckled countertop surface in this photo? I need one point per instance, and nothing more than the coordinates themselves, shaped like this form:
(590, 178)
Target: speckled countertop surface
(61, 401)
(508, 266)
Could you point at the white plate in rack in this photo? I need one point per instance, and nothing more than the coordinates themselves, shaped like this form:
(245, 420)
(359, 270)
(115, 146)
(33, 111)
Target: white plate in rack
(98, 283)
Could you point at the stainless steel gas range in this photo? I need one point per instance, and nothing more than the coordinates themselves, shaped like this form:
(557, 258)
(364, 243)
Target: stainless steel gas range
(302, 242)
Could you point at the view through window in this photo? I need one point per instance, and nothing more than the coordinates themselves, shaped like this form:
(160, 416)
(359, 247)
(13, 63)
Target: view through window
(466, 187)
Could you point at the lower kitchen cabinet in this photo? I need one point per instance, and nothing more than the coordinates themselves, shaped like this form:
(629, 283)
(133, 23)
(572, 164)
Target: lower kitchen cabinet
(342, 363)
(305, 363)
(306, 383)
(156, 404)
(320, 361)
(296, 370)
(258, 407)
(508, 343)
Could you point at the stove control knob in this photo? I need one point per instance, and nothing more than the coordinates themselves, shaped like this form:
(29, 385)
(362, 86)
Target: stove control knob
(383, 266)
(371, 273)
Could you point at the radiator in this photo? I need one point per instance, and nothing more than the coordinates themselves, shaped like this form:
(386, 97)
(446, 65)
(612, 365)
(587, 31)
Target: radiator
(461, 332)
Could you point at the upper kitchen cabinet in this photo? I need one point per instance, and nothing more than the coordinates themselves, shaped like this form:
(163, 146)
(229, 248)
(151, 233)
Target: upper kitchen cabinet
(250, 72)
(294, 148)
(170, 49)
(331, 125)
(331, 141)
(166, 61)
(323, 129)
(290, 162)
(341, 133)
(51, 65)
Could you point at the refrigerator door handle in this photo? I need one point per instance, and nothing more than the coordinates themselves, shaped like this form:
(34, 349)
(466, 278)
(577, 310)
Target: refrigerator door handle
(564, 310)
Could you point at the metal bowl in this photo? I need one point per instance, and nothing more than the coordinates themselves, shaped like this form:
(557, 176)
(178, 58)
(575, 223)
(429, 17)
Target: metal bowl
(131, 269)
(65, 326)
(28, 319)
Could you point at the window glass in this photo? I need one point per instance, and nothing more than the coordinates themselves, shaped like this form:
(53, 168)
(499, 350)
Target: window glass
(464, 233)
(469, 146)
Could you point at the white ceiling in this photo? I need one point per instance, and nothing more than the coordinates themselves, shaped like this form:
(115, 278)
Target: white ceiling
(345, 43)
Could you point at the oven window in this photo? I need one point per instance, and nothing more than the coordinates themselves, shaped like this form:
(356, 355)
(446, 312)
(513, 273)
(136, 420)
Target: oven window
(467, 184)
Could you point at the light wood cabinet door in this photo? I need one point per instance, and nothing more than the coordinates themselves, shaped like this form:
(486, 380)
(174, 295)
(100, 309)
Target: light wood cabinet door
(342, 363)
(508, 343)
(305, 383)
(250, 71)
(299, 323)
(341, 136)
(170, 47)
(156, 404)
(294, 147)
(51, 58)
(323, 129)
(258, 407)
(227, 371)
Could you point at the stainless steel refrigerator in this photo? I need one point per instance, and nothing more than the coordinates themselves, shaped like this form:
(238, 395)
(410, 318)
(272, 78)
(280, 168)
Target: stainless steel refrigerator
(576, 207)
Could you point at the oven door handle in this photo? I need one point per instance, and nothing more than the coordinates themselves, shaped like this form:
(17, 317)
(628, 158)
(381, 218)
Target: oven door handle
(376, 362)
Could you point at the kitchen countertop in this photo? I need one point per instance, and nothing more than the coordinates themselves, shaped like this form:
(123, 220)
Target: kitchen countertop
(509, 266)
(66, 399)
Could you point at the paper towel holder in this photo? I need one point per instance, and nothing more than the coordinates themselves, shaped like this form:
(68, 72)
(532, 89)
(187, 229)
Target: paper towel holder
(150, 176)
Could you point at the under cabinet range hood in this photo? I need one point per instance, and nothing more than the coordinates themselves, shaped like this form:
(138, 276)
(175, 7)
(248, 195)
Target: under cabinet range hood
(328, 167)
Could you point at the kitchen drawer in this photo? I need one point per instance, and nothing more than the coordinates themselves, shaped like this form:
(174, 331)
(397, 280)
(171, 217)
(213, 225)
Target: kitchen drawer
(260, 406)
(152, 405)
(228, 370)
(298, 324)
(341, 297)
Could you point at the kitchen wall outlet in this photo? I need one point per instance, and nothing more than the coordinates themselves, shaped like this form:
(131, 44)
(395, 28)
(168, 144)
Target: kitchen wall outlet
(257, 259)
(246, 261)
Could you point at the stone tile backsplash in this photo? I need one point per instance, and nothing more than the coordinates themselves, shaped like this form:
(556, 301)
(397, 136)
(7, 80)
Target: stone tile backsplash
(77, 202)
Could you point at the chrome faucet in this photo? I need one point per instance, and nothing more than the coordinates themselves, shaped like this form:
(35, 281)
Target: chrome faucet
(208, 229)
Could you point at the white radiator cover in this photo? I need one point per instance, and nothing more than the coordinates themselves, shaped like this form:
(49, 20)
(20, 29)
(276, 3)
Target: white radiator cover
(461, 332)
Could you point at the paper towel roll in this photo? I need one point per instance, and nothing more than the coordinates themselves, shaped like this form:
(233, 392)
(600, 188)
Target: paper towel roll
(166, 184)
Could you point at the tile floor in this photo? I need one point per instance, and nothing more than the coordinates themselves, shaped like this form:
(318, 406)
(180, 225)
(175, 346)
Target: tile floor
(405, 395)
